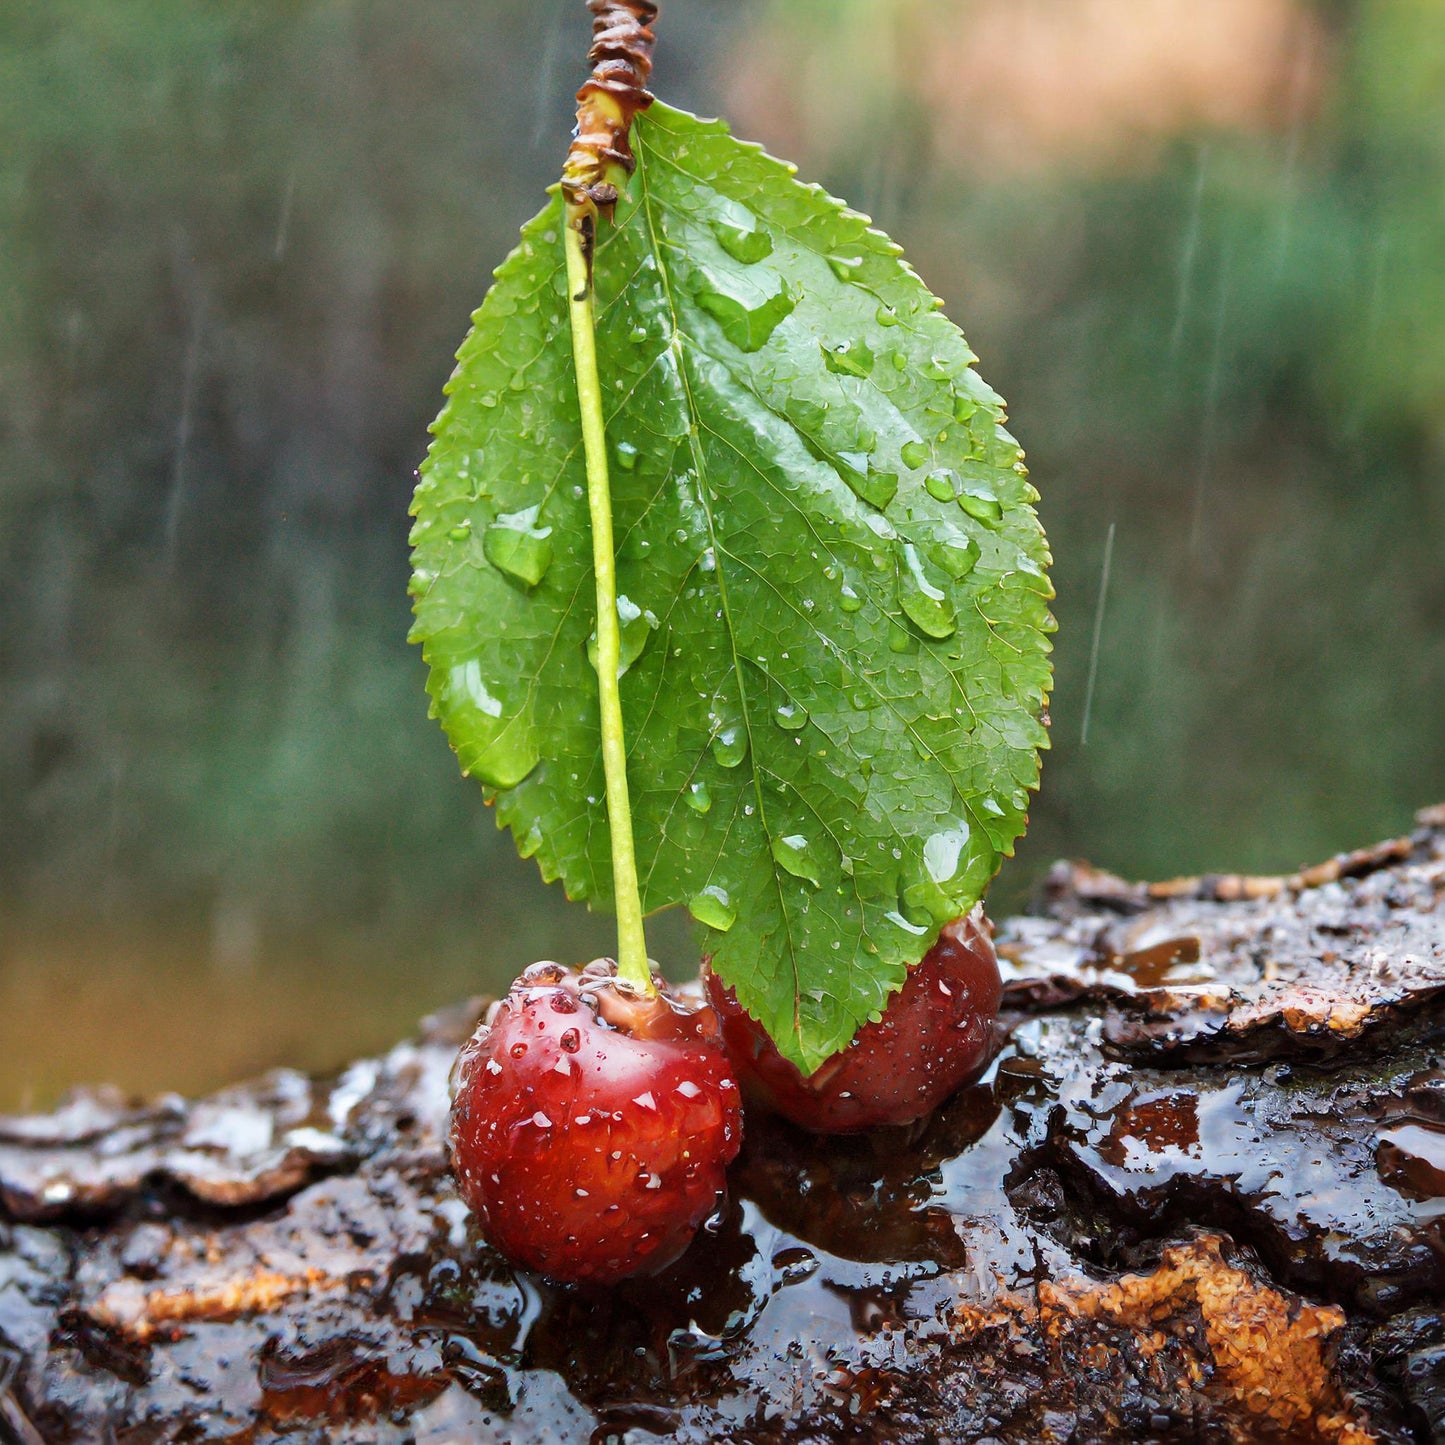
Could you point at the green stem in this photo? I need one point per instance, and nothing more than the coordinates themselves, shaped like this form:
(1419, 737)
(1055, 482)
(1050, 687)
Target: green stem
(633, 968)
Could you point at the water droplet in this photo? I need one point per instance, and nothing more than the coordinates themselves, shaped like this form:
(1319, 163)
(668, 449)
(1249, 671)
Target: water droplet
(851, 599)
(899, 360)
(848, 358)
(991, 805)
(794, 854)
(697, 797)
(488, 399)
(953, 551)
(461, 531)
(519, 1051)
(516, 545)
(746, 243)
(915, 453)
(500, 750)
(571, 1040)
(943, 852)
(795, 1264)
(981, 504)
(899, 921)
(714, 908)
(846, 268)
(636, 625)
(886, 316)
(901, 640)
(928, 605)
(637, 335)
(963, 407)
(807, 415)
(626, 456)
(747, 314)
(875, 487)
(730, 745)
(790, 715)
(943, 485)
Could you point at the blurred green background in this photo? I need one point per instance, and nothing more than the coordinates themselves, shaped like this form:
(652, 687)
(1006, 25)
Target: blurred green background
(1201, 249)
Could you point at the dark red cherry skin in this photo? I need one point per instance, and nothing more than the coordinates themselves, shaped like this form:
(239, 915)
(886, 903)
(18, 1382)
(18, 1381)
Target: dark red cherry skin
(591, 1128)
(936, 1034)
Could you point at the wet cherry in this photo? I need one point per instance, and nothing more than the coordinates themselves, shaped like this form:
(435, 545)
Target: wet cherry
(936, 1034)
(591, 1127)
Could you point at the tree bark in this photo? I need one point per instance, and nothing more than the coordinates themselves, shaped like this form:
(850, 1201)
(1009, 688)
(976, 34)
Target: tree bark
(1200, 1196)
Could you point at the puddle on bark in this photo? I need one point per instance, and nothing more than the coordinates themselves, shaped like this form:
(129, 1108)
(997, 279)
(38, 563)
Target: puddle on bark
(1076, 1246)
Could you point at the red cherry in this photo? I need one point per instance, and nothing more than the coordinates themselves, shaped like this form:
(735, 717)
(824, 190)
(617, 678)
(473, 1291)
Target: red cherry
(936, 1033)
(592, 1127)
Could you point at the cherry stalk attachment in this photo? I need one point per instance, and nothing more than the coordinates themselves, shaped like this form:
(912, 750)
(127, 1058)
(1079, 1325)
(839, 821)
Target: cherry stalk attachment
(598, 164)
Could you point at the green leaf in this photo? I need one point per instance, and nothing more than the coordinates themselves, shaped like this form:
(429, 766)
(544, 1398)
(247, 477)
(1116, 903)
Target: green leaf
(837, 661)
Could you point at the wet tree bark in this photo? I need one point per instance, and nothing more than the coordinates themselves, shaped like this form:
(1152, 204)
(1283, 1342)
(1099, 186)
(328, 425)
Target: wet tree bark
(1200, 1196)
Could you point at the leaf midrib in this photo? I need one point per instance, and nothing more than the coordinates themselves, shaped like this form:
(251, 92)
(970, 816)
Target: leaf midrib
(645, 205)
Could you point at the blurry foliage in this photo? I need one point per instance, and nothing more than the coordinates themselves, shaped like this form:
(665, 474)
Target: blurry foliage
(241, 241)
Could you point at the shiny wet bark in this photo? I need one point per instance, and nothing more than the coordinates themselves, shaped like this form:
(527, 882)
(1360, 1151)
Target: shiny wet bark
(1200, 1196)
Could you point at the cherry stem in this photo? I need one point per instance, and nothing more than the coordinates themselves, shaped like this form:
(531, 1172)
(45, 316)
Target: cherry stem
(633, 968)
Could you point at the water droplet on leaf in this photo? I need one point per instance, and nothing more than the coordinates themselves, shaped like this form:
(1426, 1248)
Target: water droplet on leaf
(944, 851)
(848, 358)
(697, 796)
(875, 487)
(981, 504)
(516, 545)
(499, 749)
(808, 416)
(915, 453)
(713, 907)
(953, 551)
(635, 625)
(626, 456)
(928, 605)
(748, 244)
(794, 854)
(790, 715)
(943, 485)
(747, 314)
(899, 921)
(730, 745)
(846, 268)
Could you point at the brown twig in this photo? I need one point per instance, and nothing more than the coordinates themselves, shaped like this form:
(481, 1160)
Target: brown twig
(601, 158)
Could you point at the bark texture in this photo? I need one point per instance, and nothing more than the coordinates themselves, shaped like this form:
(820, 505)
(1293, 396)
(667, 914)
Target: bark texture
(1200, 1197)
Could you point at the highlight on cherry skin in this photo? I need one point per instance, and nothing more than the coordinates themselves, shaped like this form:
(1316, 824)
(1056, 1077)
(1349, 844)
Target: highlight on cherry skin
(935, 1035)
(592, 1126)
